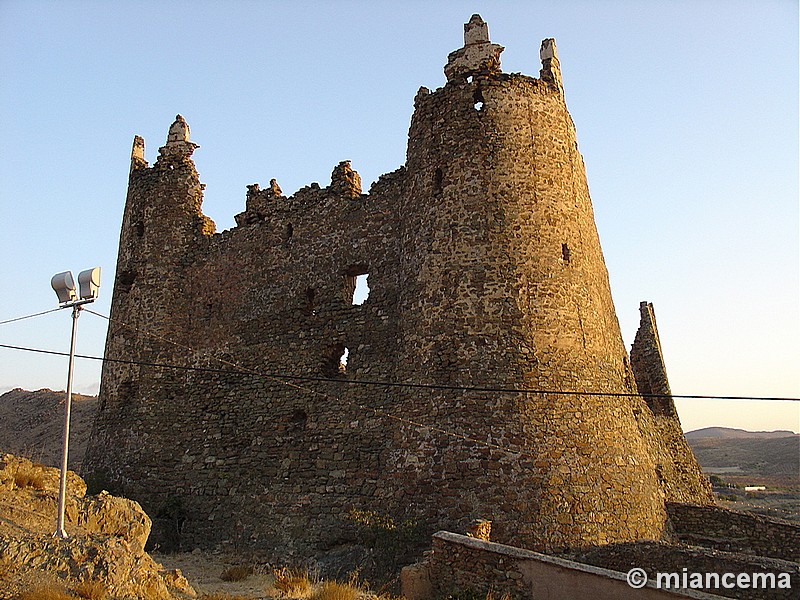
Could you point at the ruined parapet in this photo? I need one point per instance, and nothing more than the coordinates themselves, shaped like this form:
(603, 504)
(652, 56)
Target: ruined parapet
(551, 67)
(137, 153)
(679, 475)
(478, 56)
(345, 181)
(257, 203)
(647, 363)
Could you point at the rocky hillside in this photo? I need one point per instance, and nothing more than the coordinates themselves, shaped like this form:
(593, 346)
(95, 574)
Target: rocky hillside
(759, 454)
(103, 555)
(32, 425)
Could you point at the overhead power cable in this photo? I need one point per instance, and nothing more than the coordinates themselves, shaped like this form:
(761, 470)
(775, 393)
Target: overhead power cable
(39, 314)
(395, 384)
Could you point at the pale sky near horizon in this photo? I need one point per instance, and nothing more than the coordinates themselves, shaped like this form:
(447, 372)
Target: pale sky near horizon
(686, 114)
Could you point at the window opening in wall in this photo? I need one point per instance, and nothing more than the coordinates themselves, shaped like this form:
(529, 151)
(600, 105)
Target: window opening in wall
(139, 228)
(361, 292)
(477, 98)
(356, 289)
(289, 232)
(311, 307)
(437, 181)
(299, 418)
(126, 279)
(335, 360)
(565, 252)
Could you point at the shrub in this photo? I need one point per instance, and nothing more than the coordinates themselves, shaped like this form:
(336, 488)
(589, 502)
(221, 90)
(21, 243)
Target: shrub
(292, 582)
(46, 592)
(332, 590)
(236, 573)
(91, 590)
(28, 478)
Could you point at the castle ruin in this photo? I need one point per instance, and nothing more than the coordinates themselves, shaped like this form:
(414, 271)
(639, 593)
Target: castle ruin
(485, 276)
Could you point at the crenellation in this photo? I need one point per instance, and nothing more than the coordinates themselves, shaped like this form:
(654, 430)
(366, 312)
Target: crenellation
(478, 57)
(178, 145)
(345, 181)
(137, 153)
(551, 66)
(484, 269)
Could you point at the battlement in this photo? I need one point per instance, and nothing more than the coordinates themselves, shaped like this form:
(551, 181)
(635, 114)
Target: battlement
(484, 269)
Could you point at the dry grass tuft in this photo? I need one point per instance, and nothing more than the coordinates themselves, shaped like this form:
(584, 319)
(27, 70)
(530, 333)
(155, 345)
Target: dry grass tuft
(46, 592)
(293, 583)
(28, 478)
(236, 573)
(333, 590)
(91, 590)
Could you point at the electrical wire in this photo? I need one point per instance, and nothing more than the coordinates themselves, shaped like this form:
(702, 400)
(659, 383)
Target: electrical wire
(288, 380)
(30, 316)
(395, 384)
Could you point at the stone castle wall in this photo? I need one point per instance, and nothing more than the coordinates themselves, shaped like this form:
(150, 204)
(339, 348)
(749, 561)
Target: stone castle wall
(485, 270)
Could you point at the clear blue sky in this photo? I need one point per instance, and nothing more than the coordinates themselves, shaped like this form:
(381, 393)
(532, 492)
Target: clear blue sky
(686, 111)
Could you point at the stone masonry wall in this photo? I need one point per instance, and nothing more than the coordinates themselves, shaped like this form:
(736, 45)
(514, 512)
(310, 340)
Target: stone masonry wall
(679, 474)
(459, 566)
(735, 531)
(239, 424)
(779, 579)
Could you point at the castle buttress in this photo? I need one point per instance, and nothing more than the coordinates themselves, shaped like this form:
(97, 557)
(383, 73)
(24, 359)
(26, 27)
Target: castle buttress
(485, 273)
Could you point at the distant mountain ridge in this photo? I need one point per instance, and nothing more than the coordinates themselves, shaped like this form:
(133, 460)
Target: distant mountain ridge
(731, 433)
(32, 425)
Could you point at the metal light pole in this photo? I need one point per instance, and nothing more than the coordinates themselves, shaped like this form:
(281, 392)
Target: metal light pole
(64, 286)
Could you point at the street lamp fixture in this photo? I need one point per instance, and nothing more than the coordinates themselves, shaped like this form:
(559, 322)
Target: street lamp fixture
(68, 297)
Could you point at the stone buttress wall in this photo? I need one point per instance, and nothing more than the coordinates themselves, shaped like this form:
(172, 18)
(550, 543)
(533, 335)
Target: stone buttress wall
(679, 474)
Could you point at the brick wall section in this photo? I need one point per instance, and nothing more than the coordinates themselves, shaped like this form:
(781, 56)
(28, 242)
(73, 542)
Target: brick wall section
(735, 531)
(485, 269)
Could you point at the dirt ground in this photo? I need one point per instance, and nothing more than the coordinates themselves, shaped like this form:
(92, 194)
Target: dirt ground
(203, 571)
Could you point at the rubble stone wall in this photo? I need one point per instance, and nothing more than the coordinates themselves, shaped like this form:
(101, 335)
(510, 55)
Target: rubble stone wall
(460, 565)
(735, 531)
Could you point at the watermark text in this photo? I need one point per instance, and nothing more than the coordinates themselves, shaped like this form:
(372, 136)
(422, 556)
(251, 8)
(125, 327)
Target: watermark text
(685, 579)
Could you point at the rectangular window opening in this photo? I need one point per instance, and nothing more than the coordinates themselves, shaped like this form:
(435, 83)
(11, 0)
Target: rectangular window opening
(361, 292)
(356, 289)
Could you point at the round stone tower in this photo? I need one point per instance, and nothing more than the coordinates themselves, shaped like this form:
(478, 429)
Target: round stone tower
(507, 287)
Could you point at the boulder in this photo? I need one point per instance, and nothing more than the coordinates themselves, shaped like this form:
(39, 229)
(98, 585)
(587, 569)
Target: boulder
(105, 547)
